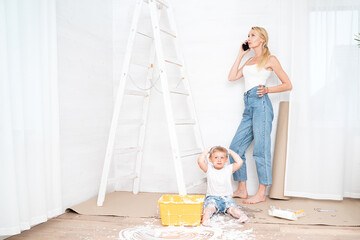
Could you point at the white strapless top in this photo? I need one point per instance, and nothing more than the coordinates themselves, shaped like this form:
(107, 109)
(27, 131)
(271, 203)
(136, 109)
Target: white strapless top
(253, 77)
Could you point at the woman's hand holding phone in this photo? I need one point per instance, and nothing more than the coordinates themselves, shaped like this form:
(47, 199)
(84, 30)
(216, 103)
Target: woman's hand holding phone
(244, 47)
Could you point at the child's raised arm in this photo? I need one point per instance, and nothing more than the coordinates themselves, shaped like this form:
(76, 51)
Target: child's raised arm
(238, 161)
(202, 160)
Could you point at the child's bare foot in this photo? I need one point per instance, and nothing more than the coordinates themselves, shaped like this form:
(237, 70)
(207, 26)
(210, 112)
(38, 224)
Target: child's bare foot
(206, 223)
(255, 199)
(237, 213)
(240, 194)
(244, 219)
(208, 212)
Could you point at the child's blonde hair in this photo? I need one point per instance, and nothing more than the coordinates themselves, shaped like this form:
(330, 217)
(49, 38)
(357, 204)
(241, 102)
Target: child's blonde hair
(266, 52)
(218, 149)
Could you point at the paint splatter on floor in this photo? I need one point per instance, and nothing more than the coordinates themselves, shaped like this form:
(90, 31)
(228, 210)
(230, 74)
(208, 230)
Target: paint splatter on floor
(222, 227)
(146, 233)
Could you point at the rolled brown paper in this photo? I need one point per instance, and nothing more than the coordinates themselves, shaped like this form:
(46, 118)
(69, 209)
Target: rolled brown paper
(279, 161)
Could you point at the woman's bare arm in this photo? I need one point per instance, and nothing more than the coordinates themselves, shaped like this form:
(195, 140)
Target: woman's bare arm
(236, 73)
(285, 85)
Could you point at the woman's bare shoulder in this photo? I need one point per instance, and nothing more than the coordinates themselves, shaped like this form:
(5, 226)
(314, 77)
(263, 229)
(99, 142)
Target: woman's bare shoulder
(271, 63)
(273, 58)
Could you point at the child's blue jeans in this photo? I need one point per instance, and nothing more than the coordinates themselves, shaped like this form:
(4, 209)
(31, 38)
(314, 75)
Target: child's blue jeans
(222, 203)
(256, 124)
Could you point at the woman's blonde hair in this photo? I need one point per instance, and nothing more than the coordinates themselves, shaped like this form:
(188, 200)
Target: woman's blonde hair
(266, 52)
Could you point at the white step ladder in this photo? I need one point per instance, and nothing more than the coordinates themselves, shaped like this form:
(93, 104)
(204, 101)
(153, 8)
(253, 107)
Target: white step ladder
(156, 7)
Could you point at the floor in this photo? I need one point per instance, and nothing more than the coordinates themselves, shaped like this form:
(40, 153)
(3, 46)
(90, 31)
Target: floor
(74, 226)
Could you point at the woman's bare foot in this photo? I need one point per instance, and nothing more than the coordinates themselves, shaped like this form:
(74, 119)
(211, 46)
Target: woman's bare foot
(241, 192)
(260, 196)
(255, 199)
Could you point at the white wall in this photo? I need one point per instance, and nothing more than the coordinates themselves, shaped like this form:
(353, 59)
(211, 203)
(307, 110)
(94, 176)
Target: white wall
(85, 89)
(210, 36)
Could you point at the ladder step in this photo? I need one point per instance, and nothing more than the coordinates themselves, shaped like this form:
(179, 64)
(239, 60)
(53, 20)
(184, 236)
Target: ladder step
(190, 152)
(136, 93)
(162, 2)
(173, 61)
(140, 65)
(131, 121)
(180, 91)
(129, 176)
(126, 150)
(168, 32)
(185, 122)
(114, 180)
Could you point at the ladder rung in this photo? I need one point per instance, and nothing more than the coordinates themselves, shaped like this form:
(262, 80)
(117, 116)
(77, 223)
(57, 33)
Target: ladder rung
(145, 34)
(140, 65)
(185, 122)
(162, 2)
(136, 93)
(191, 185)
(159, 1)
(173, 61)
(131, 121)
(180, 91)
(129, 176)
(126, 150)
(190, 152)
(168, 32)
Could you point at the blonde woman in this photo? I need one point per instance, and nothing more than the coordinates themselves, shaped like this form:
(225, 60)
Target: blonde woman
(257, 118)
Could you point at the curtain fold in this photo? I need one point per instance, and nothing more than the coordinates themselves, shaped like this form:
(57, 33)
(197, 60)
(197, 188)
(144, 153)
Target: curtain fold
(324, 131)
(29, 115)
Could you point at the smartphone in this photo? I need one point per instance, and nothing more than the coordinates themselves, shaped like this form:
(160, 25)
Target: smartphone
(245, 46)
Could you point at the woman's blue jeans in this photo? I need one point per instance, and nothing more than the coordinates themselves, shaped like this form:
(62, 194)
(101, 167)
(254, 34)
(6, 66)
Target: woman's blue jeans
(255, 125)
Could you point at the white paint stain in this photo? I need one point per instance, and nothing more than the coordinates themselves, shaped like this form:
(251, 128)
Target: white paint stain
(222, 227)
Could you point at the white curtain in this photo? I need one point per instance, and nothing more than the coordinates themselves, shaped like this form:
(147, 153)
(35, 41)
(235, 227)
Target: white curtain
(323, 159)
(30, 190)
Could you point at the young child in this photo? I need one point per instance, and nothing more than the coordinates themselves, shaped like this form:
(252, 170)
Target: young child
(219, 188)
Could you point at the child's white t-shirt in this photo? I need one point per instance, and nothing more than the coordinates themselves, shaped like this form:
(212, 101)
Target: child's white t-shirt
(219, 181)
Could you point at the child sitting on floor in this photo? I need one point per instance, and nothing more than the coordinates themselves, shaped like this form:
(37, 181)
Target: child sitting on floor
(219, 188)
